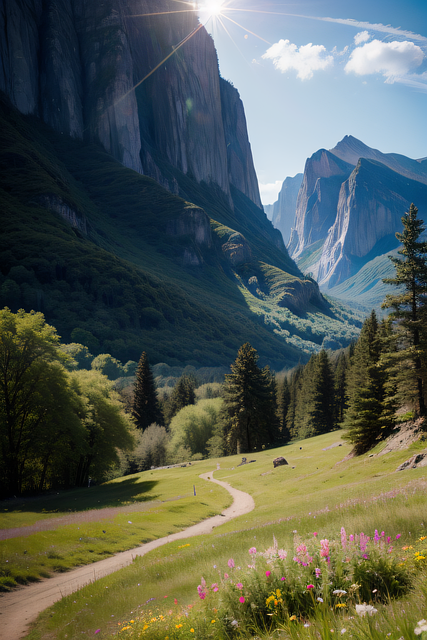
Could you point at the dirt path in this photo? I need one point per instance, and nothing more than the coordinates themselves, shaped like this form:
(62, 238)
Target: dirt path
(21, 607)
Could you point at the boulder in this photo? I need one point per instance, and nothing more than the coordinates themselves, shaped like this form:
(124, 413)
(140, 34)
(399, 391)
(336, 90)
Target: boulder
(277, 462)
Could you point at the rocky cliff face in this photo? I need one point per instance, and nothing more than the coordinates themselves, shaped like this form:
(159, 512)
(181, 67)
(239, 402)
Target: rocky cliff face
(282, 212)
(350, 206)
(370, 207)
(317, 200)
(75, 64)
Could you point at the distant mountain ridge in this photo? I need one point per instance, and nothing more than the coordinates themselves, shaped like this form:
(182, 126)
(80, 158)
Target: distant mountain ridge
(348, 209)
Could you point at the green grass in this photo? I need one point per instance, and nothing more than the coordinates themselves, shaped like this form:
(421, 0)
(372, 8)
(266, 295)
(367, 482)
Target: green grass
(167, 504)
(321, 493)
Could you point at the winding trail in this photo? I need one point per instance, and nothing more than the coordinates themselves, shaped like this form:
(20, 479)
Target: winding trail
(19, 608)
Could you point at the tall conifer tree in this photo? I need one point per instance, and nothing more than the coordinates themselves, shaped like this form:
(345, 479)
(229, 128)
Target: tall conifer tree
(409, 305)
(145, 406)
(365, 419)
(250, 410)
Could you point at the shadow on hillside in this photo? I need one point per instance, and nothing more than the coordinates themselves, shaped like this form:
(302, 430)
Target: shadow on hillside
(115, 494)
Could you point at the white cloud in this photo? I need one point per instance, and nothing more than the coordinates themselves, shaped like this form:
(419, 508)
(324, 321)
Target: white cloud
(392, 59)
(304, 60)
(362, 36)
(270, 191)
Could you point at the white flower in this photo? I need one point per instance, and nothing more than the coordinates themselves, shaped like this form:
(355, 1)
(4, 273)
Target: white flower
(339, 592)
(319, 599)
(421, 626)
(363, 609)
(343, 630)
(234, 623)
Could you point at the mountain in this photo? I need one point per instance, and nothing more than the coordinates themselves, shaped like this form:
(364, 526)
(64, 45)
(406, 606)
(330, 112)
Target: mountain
(349, 207)
(129, 203)
(282, 212)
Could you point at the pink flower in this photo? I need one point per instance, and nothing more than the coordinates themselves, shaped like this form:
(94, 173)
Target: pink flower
(214, 586)
(252, 551)
(282, 578)
(98, 630)
(239, 585)
(282, 554)
(315, 533)
(318, 573)
(310, 586)
(231, 563)
(242, 599)
(175, 601)
(225, 576)
(398, 536)
(324, 548)
(388, 539)
(343, 538)
(268, 574)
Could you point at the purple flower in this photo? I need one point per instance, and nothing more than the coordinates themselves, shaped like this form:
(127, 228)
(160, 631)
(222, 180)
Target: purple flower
(282, 578)
(231, 563)
(398, 536)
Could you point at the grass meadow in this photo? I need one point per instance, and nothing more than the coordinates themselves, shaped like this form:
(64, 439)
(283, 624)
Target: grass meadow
(319, 492)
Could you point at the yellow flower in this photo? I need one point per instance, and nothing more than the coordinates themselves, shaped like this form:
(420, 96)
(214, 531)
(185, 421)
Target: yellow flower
(191, 630)
(212, 621)
(423, 538)
(340, 604)
(132, 621)
(178, 626)
(145, 627)
(292, 618)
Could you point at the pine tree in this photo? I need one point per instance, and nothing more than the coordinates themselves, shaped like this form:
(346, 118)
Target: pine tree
(340, 396)
(321, 411)
(145, 406)
(295, 389)
(284, 404)
(365, 418)
(409, 306)
(182, 395)
(250, 411)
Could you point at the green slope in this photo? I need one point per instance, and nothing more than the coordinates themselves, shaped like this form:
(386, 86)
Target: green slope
(116, 271)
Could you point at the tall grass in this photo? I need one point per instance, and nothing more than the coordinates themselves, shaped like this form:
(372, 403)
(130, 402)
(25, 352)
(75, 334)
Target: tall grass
(314, 496)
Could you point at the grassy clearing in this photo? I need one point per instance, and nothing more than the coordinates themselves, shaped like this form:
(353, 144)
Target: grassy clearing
(168, 505)
(321, 493)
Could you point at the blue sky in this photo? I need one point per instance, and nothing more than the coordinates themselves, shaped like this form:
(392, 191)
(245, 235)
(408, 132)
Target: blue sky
(311, 72)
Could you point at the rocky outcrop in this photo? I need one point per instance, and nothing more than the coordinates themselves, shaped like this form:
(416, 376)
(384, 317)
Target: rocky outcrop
(146, 86)
(74, 218)
(195, 224)
(282, 212)
(237, 250)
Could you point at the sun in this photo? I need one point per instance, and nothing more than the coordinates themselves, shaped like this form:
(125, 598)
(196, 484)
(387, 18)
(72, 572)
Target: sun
(210, 8)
